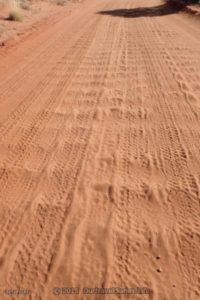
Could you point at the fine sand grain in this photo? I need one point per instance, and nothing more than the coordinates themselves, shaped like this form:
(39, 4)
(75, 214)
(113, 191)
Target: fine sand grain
(100, 154)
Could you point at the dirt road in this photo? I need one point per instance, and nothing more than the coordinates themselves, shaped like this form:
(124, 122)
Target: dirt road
(100, 154)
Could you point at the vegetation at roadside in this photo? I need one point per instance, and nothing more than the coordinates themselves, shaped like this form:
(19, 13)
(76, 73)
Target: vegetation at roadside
(61, 2)
(15, 13)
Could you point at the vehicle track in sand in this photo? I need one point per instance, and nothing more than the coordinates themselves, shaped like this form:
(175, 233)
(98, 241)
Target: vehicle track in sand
(100, 156)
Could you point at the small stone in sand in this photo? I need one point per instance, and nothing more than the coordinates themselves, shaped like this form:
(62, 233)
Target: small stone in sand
(159, 270)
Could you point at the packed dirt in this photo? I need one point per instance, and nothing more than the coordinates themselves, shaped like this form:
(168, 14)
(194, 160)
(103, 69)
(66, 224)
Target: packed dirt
(100, 154)
(33, 13)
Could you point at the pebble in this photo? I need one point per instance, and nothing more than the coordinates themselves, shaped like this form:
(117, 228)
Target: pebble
(159, 270)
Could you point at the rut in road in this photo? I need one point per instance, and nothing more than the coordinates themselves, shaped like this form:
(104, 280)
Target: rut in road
(99, 154)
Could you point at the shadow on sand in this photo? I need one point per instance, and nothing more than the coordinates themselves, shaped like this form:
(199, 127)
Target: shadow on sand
(155, 11)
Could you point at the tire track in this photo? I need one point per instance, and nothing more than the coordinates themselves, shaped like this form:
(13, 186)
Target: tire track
(99, 157)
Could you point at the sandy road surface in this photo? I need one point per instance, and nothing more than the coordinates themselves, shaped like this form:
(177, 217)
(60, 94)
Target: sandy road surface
(100, 154)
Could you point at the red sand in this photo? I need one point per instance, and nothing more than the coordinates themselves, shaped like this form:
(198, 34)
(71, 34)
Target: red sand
(99, 153)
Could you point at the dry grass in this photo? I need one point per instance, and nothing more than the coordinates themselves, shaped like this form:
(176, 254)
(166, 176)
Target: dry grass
(61, 2)
(15, 13)
(24, 4)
